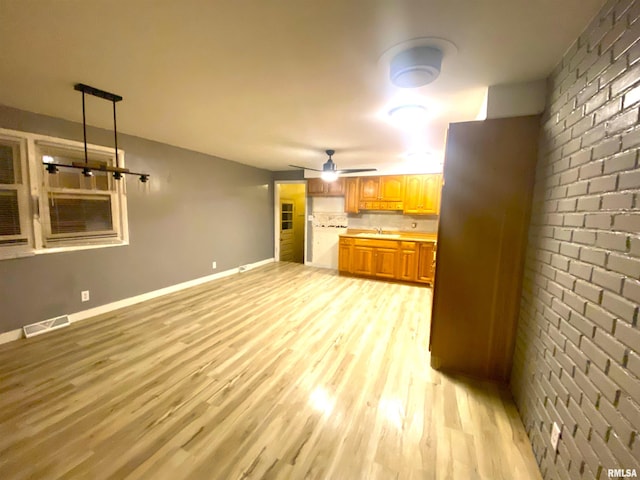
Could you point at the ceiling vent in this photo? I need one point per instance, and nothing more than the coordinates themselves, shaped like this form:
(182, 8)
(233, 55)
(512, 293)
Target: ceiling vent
(416, 66)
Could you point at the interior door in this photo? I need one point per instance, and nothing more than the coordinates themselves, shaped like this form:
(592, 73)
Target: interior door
(286, 230)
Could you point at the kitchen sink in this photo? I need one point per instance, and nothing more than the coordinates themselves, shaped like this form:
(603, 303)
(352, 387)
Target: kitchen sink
(379, 235)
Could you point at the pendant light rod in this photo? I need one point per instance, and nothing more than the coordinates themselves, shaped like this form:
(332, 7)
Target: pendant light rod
(84, 131)
(96, 92)
(115, 133)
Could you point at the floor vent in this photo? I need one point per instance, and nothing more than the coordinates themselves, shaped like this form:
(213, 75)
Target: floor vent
(45, 326)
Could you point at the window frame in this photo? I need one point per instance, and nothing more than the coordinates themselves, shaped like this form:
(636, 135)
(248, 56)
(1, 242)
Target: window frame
(36, 185)
(21, 187)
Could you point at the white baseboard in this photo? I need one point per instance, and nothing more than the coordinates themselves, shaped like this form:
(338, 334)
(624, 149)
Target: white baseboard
(328, 267)
(12, 335)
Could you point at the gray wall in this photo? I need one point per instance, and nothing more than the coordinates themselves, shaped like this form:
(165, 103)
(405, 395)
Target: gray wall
(577, 360)
(198, 209)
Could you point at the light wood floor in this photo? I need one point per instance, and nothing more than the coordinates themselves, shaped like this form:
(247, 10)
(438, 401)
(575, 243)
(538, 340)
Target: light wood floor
(285, 371)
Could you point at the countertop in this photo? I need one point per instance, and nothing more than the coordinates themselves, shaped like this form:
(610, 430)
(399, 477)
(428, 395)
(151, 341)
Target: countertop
(392, 235)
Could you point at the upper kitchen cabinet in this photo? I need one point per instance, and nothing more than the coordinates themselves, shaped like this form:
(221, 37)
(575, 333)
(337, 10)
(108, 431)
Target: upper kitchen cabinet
(381, 193)
(422, 194)
(389, 188)
(318, 187)
(392, 188)
(351, 185)
(369, 188)
(489, 171)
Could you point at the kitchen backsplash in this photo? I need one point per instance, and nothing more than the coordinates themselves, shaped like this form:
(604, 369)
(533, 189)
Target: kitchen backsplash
(393, 221)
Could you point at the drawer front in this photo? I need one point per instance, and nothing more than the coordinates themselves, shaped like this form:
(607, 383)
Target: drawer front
(369, 242)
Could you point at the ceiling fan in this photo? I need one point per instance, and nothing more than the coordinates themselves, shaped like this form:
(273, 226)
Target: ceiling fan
(330, 171)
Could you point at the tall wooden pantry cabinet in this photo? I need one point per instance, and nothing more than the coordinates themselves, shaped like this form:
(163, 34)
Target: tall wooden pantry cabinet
(484, 215)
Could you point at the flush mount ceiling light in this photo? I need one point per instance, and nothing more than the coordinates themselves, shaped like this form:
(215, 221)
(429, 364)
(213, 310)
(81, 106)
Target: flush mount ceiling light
(416, 62)
(408, 116)
(415, 67)
(88, 167)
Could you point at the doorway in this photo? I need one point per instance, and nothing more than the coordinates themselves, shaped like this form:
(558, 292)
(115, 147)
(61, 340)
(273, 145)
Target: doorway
(290, 222)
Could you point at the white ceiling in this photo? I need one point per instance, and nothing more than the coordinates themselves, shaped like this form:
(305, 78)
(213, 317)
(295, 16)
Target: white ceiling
(269, 83)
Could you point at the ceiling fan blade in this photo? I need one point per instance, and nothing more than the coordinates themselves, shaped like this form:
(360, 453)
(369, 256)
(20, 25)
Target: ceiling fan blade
(356, 170)
(305, 168)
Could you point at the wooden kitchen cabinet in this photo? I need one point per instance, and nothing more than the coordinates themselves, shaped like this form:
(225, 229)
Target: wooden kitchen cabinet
(374, 258)
(369, 189)
(390, 259)
(407, 262)
(351, 198)
(422, 194)
(391, 188)
(385, 262)
(426, 263)
(345, 247)
(362, 260)
(388, 188)
(489, 171)
(381, 193)
(319, 188)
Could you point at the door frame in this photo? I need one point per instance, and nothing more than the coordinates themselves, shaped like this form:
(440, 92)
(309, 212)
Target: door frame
(276, 219)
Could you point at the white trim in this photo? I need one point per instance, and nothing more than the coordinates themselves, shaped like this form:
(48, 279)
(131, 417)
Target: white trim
(311, 264)
(12, 335)
(276, 218)
(36, 184)
(75, 248)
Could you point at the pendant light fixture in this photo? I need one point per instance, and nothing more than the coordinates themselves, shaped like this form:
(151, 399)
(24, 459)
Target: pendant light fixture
(88, 167)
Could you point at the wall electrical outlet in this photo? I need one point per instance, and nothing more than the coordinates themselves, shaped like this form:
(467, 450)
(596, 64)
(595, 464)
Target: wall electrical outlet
(214, 265)
(555, 436)
(84, 295)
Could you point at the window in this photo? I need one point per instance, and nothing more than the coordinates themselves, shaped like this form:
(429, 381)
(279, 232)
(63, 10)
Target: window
(286, 219)
(75, 208)
(70, 210)
(15, 235)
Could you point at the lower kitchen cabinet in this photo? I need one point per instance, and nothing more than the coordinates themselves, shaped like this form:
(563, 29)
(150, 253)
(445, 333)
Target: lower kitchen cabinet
(426, 263)
(408, 261)
(362, 260)
(374, 261)
(344, 254)
(385, 262)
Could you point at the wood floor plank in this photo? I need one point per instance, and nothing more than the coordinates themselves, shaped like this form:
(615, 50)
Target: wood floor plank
(282, 372)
